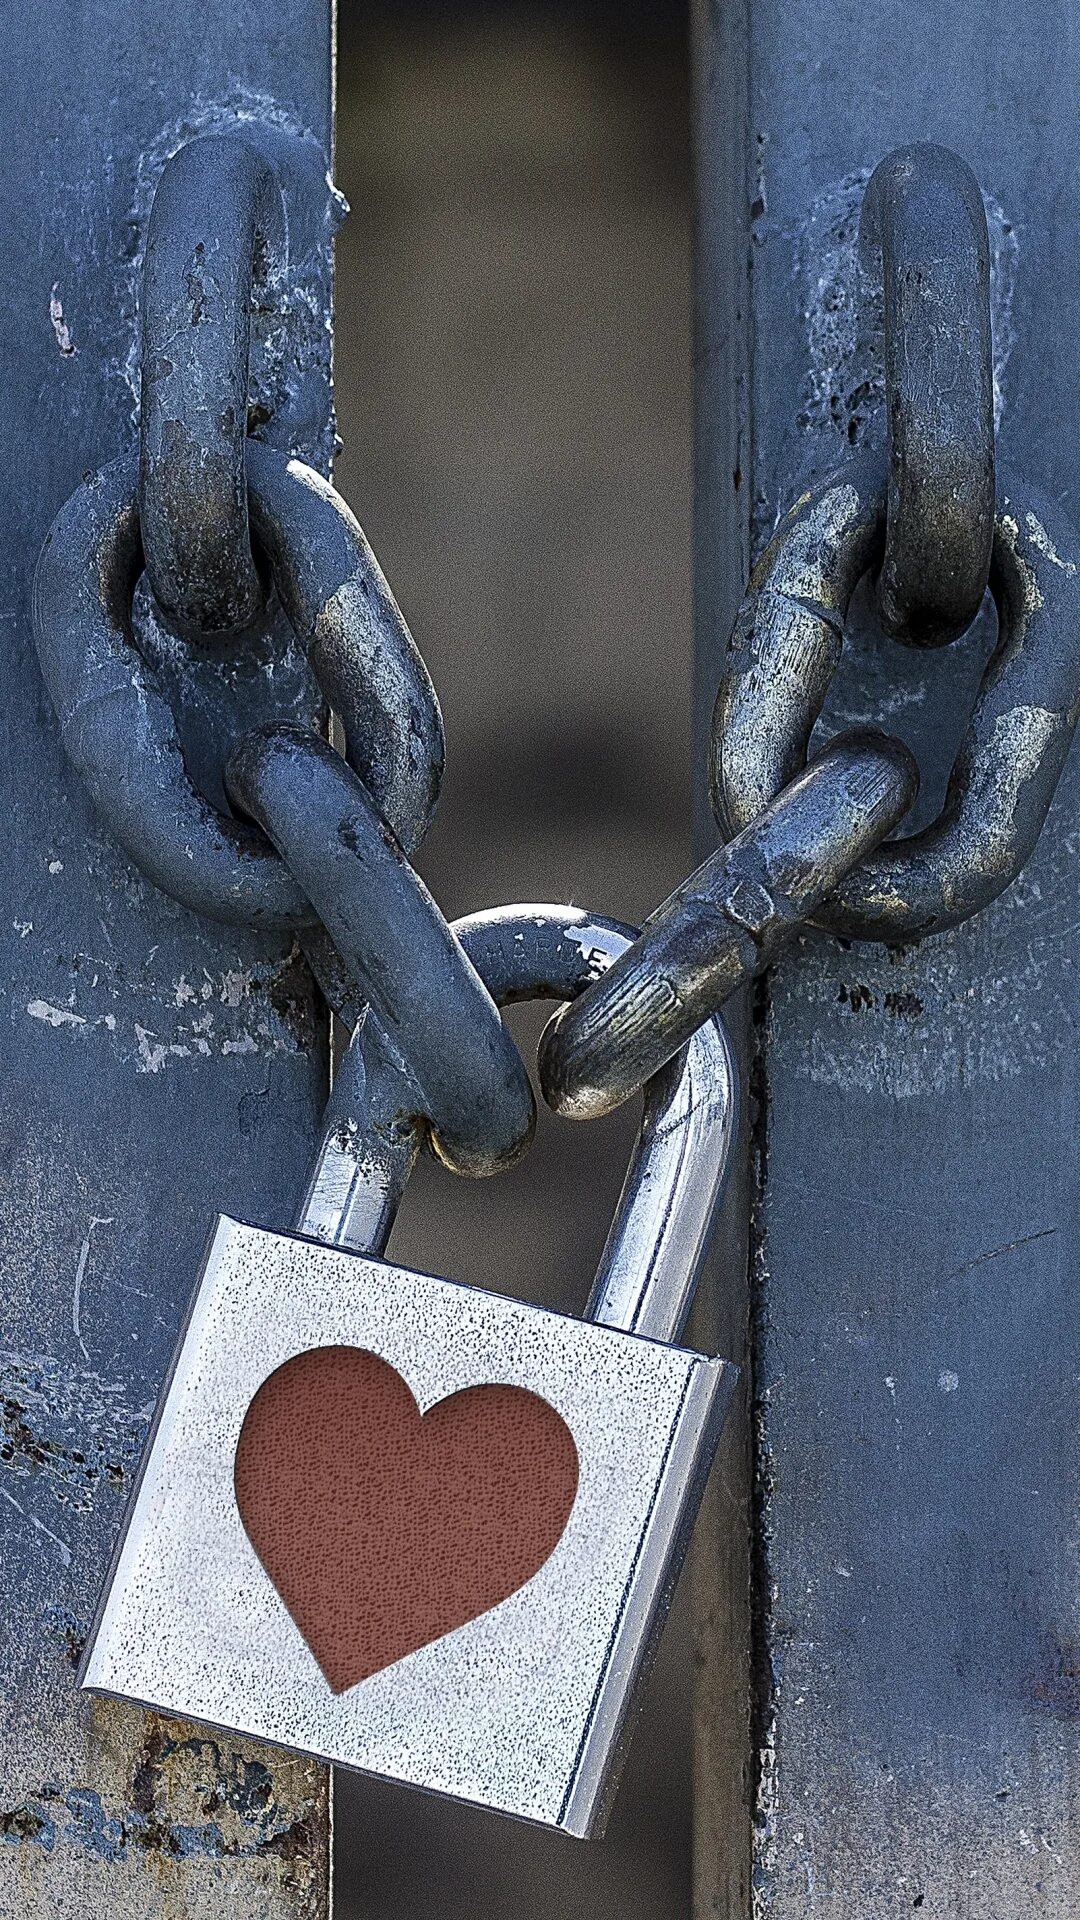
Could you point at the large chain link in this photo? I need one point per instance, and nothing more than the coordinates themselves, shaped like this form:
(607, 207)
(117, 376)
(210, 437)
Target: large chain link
(120, 732)
(216, 240)
(925, 246)
(320, 843)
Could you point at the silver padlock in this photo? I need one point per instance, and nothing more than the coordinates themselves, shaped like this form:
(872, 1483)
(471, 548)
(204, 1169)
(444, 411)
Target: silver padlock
(412, 1527)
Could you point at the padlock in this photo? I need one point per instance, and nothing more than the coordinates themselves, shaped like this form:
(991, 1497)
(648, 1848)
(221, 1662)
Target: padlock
(410, 1526)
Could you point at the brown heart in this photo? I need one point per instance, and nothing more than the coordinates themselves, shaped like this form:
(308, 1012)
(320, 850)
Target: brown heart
(383, 1529)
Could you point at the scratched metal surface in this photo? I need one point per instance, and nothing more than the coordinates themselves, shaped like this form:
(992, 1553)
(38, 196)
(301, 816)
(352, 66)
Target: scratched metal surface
(916, 1703)
(153, 1067)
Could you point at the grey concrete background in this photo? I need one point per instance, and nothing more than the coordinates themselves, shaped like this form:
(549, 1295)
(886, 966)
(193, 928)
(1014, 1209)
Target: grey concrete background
(514, 396)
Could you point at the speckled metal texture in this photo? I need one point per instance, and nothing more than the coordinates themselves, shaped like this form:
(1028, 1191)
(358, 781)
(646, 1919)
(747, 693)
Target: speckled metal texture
(521, 1709)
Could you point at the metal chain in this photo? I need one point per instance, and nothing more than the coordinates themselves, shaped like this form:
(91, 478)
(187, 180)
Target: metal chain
(216, 238)
(724, 924)
(922, 512)
(187, 513)
(320, 844)
(120, 732)
(786, 646)
(428, 999)
(924, 244)
(682, 1153)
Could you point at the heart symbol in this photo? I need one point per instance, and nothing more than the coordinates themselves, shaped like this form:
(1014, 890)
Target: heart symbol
(383, 1529)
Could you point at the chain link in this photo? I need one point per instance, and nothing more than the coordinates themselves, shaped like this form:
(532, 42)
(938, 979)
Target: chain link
(120, 732)
(216, 239)
(346, 825)
(464, 1072)
(724, 924)
(320, 843)
(785, 649)
(924, 243)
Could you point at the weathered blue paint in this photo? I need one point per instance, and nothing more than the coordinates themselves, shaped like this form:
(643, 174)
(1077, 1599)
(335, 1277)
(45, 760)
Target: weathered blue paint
(260, 1827)
(915, 1710)
(154, 1067)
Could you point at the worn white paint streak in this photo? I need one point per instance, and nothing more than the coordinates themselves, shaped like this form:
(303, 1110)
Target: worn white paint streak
(247, 1043)
(236, 986)
(59, 325)
(55, 1016)
(39, 1526)
(153, 1052)
(96, 1220)
(1041, 539)
(76, 1297)
(231, 1013)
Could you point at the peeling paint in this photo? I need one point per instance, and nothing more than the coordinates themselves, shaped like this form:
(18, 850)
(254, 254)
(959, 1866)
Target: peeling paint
(1042, 541)
(60, 326)
(55, 1016)
(235, 1814)
(262, 1008)
(66, 1428)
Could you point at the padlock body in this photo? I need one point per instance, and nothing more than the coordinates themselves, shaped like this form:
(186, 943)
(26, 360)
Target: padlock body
(523, 1707)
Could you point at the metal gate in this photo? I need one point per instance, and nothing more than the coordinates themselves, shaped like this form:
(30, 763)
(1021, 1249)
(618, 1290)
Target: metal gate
(885, 1579)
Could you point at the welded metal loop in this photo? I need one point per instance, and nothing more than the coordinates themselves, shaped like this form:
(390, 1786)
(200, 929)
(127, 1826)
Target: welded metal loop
(725, 924)
(120, 733)
(924, 241)
(785, 648)
(650, 1263)
(216, 237)
(425, 995)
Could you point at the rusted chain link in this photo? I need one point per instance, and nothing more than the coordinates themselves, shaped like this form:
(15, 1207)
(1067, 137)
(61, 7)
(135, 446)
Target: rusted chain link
(923, 239)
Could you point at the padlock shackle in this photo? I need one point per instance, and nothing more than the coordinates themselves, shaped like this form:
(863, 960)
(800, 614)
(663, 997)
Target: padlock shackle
(649, 1267)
